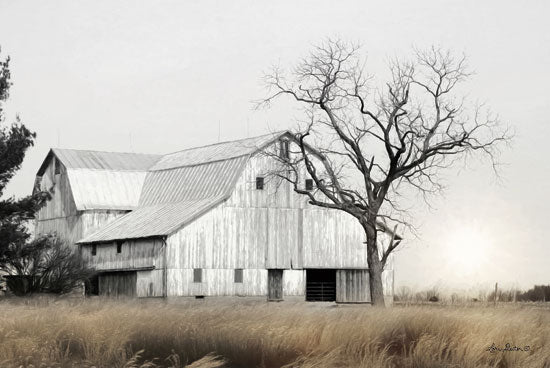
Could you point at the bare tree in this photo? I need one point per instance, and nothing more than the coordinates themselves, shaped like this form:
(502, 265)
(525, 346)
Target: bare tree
(363, 146)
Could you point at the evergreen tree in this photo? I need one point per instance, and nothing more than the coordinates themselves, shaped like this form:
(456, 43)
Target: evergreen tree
(15, 214)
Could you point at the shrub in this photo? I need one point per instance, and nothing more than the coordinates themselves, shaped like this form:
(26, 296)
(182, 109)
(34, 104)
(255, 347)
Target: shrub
(539, 293)
(47, 265)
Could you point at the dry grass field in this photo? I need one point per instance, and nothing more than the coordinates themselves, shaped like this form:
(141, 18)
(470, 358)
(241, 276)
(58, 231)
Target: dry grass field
(44, 332)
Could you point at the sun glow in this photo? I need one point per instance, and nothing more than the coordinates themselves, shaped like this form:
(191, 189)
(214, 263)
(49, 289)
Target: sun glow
(467, 249)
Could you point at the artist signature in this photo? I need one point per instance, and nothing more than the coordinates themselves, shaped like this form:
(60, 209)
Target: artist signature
(508, 347)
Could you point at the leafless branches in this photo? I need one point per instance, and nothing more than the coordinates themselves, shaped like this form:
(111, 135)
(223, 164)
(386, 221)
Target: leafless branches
(405, 135)
(362, 148)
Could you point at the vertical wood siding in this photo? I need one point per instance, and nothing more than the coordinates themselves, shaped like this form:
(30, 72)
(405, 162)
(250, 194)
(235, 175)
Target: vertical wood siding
(60, 216)
(117, 284)
(275, 284)
(332, 239)
(135, 254)
(294, 282)
(284, 238)
(216, 282)
(62, 203)
(262, 229)
(75, 227)
(387, 281)
(352, 286)
(93, 220)
(253, 230)
(68, 228)
(225, 237)
(150, 283)
(276, 193)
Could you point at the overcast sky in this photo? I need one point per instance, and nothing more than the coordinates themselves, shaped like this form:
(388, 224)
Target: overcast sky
(160, 76)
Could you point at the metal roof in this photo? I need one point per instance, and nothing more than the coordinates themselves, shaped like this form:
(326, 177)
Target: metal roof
(191, 182)
(96, 160)
(181, 186)
(215, 152)
(104, 189)
(153, 221)
(103, 180)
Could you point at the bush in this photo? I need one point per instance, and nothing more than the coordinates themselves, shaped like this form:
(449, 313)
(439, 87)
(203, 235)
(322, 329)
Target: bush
(539, 293)
(45, 265)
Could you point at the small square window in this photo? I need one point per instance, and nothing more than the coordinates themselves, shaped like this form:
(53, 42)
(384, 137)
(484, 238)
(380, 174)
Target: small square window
(309, 184)
(197, 275)
(239, 276)
(94, 250)
(119, 247)
(260, 183)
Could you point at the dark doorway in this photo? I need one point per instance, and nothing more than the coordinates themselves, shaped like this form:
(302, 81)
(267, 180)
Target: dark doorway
(117, 284)
(91, 286)
(274, 285)
(320, 285)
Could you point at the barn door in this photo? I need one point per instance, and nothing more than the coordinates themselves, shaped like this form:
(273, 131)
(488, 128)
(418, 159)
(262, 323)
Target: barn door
(352, 286)
(320, 285)
(275, 285)
(117, 284)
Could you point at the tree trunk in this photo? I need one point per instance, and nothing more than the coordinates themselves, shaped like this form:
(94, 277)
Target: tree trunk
(375, 282)
(375, 266)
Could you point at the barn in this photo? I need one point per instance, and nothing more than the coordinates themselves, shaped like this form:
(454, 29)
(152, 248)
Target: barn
(205, 221)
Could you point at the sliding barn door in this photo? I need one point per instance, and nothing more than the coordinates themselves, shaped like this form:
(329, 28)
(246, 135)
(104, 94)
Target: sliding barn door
(275, 285)
(117, 284)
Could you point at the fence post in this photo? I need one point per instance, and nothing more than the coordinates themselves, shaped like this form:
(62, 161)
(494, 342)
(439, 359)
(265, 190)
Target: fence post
(496, 290)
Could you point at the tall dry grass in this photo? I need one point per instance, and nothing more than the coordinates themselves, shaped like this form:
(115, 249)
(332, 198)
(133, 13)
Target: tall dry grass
(138, 333)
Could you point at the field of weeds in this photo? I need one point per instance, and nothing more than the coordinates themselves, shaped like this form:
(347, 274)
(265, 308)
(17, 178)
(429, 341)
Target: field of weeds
(43, 332)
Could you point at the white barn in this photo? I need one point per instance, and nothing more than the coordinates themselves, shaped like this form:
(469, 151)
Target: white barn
(203, 222)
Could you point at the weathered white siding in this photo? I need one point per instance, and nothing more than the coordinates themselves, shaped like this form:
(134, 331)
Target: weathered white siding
(75, 227)
(150, 283)
(332, 239)
(352, 286)
(62, 203)
(257, 230)
(284, 231)
(225, 237)
(216, 282)
(254, 230)
(134, 255)
(68, 228)
(294, 282)
(276, 194)
(60, 215)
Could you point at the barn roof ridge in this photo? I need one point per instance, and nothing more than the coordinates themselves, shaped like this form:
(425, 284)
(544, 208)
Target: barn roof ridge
(277, 133)
(101, 151)
(197, 164)
(60, 153)
(217, 152)
(87, 163)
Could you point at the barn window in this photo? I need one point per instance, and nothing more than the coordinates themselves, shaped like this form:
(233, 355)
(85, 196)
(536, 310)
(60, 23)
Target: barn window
(284, 151)
(119, 246)
(260, 182)
(94, 250)
(239, 276)
(57, 166)
(309, 184)
(197, 275)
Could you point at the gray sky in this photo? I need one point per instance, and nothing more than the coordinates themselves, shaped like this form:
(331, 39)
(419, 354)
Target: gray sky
(160, 76)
